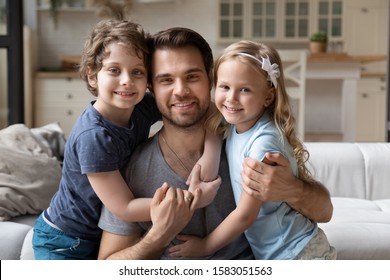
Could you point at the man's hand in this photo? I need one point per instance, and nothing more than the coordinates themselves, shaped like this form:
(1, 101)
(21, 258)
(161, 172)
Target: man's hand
(276, 182)
(269, 182)
(171, 210)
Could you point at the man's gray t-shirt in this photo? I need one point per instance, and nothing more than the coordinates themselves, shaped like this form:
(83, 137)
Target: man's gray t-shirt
(147, 171)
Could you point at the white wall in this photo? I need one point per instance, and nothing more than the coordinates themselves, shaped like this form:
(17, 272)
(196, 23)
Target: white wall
(74, 27)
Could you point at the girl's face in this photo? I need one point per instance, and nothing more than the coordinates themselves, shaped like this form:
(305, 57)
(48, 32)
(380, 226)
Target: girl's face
(121, 83)
(241, 94)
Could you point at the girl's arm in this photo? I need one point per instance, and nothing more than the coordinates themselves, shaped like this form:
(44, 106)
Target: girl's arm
(232, 227)
(114, 193)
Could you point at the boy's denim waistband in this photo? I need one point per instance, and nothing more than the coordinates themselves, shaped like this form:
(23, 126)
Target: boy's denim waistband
(47, 219)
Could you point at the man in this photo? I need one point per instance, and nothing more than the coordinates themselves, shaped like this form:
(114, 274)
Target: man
(181, 77)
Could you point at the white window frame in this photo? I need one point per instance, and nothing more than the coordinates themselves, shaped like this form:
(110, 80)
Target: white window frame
(280, 37)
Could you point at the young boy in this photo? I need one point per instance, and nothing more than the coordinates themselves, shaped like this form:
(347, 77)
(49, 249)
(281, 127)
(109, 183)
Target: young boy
(114, 65)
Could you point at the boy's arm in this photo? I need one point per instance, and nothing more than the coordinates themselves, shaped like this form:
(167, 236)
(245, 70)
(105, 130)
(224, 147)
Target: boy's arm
(209, 161)
(207, 165)
(208, 189)
(115, 194)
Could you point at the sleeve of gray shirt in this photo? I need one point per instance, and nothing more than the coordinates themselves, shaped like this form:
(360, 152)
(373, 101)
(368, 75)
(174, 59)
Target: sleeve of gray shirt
(111, 223)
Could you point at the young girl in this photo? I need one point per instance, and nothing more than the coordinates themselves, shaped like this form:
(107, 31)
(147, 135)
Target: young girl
(250, 94)
(100, 144)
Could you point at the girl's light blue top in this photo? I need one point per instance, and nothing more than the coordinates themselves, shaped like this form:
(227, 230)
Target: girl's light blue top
(279, 231)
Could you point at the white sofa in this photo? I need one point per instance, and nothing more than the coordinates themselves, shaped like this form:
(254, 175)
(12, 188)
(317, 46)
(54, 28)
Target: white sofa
(358, 178)
(15, 238)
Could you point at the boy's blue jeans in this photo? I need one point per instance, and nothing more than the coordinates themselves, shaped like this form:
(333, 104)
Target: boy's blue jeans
(50, 243)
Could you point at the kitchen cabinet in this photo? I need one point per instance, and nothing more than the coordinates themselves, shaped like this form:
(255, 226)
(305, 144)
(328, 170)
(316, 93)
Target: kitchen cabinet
(371, 110)
(59, 98)
(367, 23)
(332, 87)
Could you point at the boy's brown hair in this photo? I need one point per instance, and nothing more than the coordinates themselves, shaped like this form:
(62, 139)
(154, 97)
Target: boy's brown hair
(126, 32)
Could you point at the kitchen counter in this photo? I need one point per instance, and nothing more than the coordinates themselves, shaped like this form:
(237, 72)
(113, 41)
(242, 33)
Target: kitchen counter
(58, 74)
(344, 57)
(313, 58)
(331, 90)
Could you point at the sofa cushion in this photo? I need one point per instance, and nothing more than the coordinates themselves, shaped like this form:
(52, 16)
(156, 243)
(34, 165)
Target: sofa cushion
(340, 167)
(12, 236)
(25, 219)
(359, 170)
(377, 168)
(27, 252)
(359, 229)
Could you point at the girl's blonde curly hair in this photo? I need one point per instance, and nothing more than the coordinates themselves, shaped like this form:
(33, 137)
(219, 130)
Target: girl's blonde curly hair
(280, 110)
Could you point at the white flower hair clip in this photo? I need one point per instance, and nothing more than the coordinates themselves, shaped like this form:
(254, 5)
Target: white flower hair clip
(271, 69)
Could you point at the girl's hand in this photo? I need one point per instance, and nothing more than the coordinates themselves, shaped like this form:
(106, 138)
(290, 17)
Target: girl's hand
(191, 247)
(208, 189)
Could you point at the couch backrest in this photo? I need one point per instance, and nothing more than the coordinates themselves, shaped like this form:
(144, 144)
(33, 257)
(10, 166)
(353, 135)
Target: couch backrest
(359, 170)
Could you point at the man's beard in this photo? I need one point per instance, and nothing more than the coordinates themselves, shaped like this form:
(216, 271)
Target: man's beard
(186, 120)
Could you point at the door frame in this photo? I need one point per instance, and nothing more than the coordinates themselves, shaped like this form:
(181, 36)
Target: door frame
(13, 42)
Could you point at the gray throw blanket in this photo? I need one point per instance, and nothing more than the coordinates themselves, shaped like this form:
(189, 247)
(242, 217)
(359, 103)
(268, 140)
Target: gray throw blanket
(30, 168)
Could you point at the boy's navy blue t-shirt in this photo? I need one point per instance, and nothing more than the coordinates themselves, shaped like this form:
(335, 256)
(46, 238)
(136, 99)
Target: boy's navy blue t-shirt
(95, 145)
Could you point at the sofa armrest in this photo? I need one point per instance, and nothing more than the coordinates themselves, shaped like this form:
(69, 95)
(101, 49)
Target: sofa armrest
(27, 252)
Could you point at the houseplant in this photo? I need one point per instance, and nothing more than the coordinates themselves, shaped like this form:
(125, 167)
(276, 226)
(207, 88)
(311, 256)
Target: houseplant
(54, 6)
(318, 42)
(119, 9)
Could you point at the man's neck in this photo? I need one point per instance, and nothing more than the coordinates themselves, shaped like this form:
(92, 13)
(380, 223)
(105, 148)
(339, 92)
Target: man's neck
(182, 148)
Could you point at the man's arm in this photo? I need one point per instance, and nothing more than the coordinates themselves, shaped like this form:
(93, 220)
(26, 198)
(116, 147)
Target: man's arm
(277, 183)
(131, 247)
(171, 210)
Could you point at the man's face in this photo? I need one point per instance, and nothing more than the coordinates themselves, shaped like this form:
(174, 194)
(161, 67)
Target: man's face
(180, 85)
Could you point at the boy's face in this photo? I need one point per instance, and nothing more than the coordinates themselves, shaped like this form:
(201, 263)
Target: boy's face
(122, 81)
(180, 85)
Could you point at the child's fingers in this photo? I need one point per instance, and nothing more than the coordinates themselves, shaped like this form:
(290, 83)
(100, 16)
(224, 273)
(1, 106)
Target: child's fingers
(160, 194)
(196, 200)
(183, 237)
(194, 177)
(176, 251)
